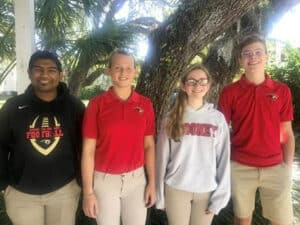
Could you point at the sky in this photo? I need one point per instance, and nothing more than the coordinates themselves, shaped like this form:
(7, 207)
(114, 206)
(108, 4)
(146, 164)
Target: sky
(287, 29)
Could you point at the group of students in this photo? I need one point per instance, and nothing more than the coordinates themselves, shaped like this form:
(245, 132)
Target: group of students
(195, 166)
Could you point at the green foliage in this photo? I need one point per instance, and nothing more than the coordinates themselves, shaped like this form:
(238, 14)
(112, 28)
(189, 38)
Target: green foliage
(7, 31)
(296, 178)
(288, 71)
(89, 92)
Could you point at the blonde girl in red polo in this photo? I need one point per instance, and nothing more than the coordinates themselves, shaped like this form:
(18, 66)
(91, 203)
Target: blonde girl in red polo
(118, 150)
(193, 176)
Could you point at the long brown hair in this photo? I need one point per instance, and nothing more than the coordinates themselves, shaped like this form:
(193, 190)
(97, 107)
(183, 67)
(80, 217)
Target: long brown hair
(174, 124)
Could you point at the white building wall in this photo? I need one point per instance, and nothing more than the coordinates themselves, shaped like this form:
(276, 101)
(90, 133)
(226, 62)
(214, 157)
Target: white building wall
(10, 82)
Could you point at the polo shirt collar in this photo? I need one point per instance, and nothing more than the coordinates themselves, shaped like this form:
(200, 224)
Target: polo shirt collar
(268, 82)
(133, 98)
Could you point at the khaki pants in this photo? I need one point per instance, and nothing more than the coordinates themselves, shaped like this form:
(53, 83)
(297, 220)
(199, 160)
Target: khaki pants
(55, 208)
(274, 185)
(121, 198)
(187, 208)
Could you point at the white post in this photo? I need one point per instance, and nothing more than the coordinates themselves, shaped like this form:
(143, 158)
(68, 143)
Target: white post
(25, 44)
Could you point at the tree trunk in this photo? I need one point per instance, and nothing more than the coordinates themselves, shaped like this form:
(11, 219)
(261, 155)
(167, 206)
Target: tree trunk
(174, 44)
(75, 83)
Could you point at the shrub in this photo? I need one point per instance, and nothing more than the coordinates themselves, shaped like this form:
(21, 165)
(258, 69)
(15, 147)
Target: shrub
(288, 71)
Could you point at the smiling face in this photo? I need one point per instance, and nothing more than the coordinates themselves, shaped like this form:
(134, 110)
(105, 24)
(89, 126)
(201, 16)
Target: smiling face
(253, 58)
(122, 70)
(45, 78)
(196, 84)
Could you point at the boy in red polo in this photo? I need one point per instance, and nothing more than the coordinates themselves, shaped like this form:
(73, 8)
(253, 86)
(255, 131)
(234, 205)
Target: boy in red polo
(118, 143)
(260, 112)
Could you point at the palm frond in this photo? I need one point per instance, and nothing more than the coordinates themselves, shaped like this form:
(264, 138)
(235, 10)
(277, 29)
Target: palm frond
(98, 44)
(7, 31)
(55, 19)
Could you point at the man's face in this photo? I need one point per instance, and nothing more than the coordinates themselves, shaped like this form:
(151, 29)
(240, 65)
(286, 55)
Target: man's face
(45, 77)
(253, 58)
(122, 70)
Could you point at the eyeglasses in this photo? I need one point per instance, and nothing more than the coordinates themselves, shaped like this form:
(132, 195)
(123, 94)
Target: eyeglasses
(248, 54)
(193, 82)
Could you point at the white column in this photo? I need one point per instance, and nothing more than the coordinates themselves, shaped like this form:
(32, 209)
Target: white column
(25, 44)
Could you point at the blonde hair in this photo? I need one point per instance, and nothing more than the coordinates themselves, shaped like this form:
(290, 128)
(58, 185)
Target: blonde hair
(174, 124)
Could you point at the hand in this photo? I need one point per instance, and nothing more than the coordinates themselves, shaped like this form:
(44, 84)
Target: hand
(150, 195)
(289, 164)
(90, 205)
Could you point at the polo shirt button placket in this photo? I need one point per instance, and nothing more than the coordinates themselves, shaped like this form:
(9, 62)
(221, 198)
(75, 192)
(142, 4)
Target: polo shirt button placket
(256, 93)
(123, 111)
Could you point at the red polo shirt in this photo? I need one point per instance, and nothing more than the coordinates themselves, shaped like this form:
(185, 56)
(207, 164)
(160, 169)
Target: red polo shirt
(255, 113)
(119, 127)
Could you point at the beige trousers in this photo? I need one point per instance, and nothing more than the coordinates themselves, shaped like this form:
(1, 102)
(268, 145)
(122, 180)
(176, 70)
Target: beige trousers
(187, 208)
(55, 208)
(121, 198)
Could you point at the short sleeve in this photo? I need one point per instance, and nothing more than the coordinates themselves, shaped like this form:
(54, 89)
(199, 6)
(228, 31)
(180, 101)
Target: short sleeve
(286, 111)
(150, 119)
(224, 104)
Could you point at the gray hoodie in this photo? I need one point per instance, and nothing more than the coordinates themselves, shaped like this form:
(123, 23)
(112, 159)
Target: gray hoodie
(200, 162)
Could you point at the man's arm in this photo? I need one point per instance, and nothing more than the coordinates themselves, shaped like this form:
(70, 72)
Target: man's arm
(4, 145)
(287, 141)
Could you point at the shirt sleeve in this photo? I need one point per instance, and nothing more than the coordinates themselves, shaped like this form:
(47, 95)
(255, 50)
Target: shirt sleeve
(286, 112)
(150, 120)
(224, 104)
(77, 137)
(162, 157)
(221, 194)
(5, 139)
(89, 124)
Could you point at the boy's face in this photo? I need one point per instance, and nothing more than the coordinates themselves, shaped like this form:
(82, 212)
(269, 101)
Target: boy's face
(122, 70)
(253, 58)
(45, 76)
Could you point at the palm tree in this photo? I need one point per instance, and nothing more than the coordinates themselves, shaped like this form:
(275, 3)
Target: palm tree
(7, 34)
(85, 32)
(82, 32)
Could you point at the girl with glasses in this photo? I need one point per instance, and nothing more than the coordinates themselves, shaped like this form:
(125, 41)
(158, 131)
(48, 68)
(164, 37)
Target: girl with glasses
(193, 175)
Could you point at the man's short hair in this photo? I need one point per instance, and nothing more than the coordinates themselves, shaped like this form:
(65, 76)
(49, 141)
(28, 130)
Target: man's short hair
(121, 52)
(44, 54)
(250, 39)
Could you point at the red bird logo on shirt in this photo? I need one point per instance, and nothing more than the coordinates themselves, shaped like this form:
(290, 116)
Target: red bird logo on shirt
(273, 96)
(139, 109)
